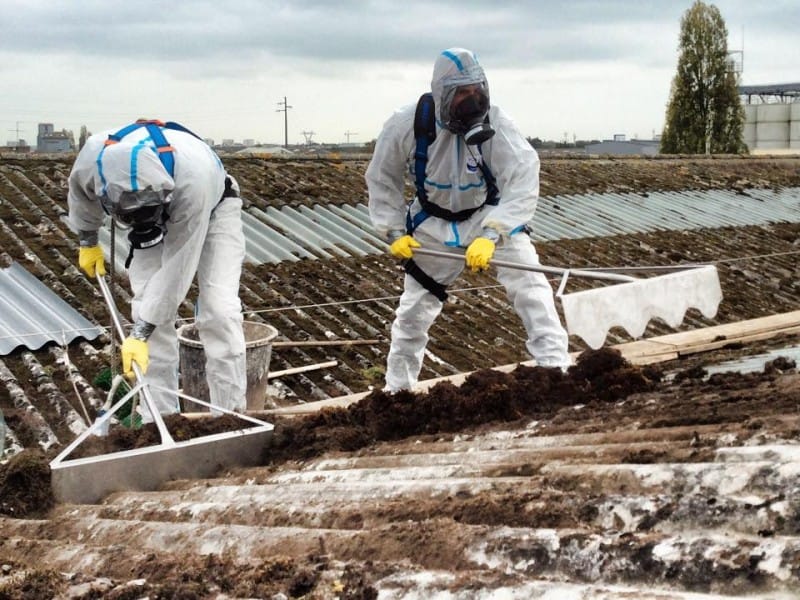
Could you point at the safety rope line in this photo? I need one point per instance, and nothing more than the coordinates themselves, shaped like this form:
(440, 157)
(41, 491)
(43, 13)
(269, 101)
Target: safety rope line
(375, 299)
(112, 271)
(754, 257)
(248, 312)
(73, 380)
(344, 302)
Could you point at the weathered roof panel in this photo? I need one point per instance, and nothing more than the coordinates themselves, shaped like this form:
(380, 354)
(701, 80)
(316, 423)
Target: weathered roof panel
(32, 315)
(683, 209)
(630, 484)
(290, 233)
(590, 215)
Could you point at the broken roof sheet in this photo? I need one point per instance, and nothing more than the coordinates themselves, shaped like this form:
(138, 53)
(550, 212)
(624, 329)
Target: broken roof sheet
(32, 315)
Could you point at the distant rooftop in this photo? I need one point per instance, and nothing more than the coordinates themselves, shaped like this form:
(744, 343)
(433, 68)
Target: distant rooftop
(782, 90)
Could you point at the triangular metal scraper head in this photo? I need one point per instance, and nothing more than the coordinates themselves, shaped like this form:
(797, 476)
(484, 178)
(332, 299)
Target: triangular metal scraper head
(88, 480)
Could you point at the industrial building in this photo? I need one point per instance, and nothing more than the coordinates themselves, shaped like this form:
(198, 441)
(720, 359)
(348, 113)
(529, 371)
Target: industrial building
(772, 124)
(620, 146)
(49, 140)
(18, 145)
(772, 118)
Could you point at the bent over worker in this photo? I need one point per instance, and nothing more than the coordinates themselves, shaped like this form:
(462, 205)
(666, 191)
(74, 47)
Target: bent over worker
(477, 185)
(184, 217)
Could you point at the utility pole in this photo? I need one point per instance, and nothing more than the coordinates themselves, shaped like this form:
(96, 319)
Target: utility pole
(16, 130)
(285, 111)
(348, 133)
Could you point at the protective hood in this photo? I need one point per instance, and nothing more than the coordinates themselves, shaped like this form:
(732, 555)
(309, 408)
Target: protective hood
(130, 167)
(454, 68)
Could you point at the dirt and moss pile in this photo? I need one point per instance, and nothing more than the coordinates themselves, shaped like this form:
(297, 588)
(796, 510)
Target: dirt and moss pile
(487, 396)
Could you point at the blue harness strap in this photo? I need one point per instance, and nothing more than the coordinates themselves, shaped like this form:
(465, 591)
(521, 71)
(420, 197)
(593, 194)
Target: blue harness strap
(425, 135)
(166, 153)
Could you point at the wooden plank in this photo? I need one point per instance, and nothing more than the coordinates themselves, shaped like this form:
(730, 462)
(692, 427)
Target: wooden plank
(755, 337)
(644, 348)
(649, 359)
(312, 407)
(710, 334)
(303, 369)
(300, 344)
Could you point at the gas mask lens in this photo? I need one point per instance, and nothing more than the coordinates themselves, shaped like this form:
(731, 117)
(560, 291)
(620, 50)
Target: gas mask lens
(143, 216)
(468, 111)
(141, 208)
(469, 103)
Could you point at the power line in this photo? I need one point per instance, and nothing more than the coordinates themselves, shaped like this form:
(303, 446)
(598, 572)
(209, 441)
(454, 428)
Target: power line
(737, 259)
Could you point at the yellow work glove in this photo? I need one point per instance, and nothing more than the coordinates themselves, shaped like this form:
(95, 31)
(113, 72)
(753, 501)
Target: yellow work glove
(479, 253)
(91, 260)
(402, 246)
(134, 349)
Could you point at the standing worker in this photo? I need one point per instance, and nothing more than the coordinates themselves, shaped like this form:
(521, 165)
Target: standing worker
(477, 185)
(184, 217)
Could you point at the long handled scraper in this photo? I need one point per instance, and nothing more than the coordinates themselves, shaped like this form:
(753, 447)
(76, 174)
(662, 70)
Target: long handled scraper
(87, 480)
(631, 302)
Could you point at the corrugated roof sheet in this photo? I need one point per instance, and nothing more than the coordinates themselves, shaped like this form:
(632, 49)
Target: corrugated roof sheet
(591, 215)
(31, 314)
(353, 298)
(292, 233)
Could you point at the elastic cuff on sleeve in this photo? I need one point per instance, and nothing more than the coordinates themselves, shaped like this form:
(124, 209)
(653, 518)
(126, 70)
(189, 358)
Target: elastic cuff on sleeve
(88, 238)
(394, 234)
(142, 330)
(491, 234)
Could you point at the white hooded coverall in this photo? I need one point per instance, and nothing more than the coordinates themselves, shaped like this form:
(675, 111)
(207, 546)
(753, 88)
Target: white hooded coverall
(454, 182)
(203, 236)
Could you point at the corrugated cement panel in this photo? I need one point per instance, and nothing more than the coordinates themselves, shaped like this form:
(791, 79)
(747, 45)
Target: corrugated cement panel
(31, 314)
(572, 217)
(274, 235)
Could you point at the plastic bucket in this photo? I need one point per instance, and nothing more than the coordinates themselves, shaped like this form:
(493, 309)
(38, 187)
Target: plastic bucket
(258, 339)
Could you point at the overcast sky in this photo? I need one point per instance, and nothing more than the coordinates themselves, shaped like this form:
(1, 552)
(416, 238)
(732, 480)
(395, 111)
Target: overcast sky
(587, 69)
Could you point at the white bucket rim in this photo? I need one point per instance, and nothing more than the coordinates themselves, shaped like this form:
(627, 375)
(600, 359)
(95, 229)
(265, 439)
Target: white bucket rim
(272, 333)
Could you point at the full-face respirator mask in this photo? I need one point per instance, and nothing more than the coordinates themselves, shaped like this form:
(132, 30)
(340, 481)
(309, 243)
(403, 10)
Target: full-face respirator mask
(465, 105)
(143, 212)
(468, 112)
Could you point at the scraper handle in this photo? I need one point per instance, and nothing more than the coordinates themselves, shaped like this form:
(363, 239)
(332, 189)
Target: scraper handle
(111, 307)
(144, 390)
(116, 319)
(536, 268)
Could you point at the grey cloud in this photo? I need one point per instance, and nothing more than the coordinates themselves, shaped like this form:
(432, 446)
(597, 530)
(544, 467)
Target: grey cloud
(249, 34)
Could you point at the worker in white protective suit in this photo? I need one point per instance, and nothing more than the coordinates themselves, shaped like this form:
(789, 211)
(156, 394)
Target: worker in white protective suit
(477, 185)
(184, 214)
